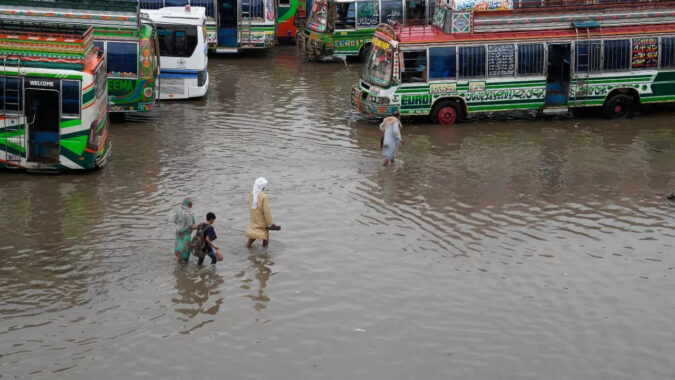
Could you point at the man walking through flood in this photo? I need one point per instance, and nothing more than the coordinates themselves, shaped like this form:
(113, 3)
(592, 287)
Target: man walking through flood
(261, 217)
(391, 137)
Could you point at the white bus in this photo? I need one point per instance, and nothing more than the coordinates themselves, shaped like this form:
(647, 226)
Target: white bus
(183, 51)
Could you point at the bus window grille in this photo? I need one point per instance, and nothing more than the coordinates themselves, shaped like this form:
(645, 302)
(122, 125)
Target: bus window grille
(152, 4)
(616, 55)
(667, 52)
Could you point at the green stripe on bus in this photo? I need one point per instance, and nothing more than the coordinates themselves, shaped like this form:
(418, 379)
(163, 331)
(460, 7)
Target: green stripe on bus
(70, 123)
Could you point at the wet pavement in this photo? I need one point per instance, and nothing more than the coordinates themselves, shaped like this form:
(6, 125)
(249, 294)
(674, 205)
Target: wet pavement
(519, 249)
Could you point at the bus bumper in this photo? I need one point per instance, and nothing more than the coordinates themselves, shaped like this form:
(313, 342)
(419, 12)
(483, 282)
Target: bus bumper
(364, 102)
(313, 47)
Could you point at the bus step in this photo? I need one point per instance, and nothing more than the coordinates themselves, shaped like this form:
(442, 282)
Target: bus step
(555, 111)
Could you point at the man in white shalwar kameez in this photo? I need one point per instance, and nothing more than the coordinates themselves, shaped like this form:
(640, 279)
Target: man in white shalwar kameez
(391, 130)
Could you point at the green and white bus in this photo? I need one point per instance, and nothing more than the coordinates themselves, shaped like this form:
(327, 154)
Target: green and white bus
(53, 98)
(614, 56)
(232, 25)
(127, 38)
(345, 27)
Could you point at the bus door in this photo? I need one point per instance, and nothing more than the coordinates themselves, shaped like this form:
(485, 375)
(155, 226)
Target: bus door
(42, 122)
(558, 75)
(227, 23)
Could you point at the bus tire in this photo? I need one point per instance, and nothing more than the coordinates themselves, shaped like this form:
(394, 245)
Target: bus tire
(446, 112)
(619, 106)
(365, 49)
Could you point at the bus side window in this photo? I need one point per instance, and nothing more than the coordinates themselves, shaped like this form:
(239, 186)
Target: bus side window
(414, 66)
(122, 59)
(345, 15)
(14, 94)
(668, 52)
(70, 98)
(587, 56)
(442, 63)
(617, 55)
(471, 61)
(391, 11)
(368, 14)
(208, 4)
(530, 59)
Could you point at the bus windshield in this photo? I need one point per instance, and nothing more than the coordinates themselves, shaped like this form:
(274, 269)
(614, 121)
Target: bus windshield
(318, 17)
(378, 65)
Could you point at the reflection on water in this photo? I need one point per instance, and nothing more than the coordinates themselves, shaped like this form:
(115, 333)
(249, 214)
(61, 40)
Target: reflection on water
(260, 268)
(194, 288)
(492, 249)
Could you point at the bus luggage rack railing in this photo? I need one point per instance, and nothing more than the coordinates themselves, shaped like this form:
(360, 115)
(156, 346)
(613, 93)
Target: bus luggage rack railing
(96, 5)
(410, 27)
(561, 6)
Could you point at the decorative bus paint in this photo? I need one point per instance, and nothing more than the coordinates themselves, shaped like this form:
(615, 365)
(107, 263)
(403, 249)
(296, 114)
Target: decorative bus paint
(183, 51)
(613, 56)
(232, 25)
(345, 27)
(128, 39)
(53, 98)
(291, 13)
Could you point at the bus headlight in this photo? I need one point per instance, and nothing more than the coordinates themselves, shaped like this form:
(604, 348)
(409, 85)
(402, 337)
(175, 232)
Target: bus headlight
(380, 100)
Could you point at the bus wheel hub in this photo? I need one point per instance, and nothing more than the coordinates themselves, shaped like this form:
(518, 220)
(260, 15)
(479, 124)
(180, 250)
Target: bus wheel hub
(447, 115)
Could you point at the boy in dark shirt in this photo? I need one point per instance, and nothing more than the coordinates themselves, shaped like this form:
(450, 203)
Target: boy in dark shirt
(209, 237)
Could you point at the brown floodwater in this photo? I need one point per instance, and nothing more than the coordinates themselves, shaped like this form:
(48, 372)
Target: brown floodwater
(494, 249)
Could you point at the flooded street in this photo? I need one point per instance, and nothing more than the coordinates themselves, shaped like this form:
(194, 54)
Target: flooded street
(521, 249)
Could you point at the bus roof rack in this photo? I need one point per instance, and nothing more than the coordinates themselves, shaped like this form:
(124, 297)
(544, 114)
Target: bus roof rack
(37, 27)
(40, 44)
(97, 5)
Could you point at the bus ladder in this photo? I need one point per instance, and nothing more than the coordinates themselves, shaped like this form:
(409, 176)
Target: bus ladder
(245, 23)
(589, 55)
(11, 123)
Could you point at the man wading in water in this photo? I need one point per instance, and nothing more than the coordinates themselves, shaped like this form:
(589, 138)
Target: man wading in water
(261, 217)
(391, 137)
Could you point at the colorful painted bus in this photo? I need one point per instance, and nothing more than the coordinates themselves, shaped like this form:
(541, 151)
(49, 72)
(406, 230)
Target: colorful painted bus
(614, 56)
(53, 98)
(232, 25)
(345, 27)
(183, 51)
(292, 14)
(128, 39)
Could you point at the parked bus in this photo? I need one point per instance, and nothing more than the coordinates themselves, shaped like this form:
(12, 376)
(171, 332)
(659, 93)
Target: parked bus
(128, 40)
(183, 51)
(53, 98)
(291, 13)
(345, 27)
(549, 60)
(232, 25)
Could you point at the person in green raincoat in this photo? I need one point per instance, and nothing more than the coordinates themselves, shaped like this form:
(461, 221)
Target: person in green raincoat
(185, 223)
